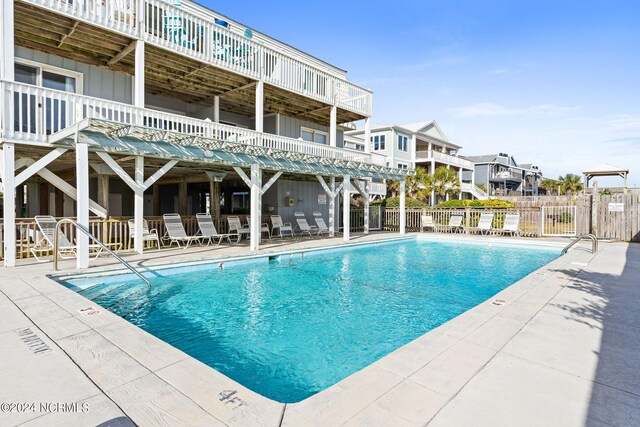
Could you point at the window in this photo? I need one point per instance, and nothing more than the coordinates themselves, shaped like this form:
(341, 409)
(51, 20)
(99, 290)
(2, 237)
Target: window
(378, 142)
(51, 114)
(402, 142)
(403, 166)
(313, 135)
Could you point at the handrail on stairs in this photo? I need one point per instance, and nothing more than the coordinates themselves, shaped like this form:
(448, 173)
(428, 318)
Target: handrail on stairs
(95, 239)
(594, 243)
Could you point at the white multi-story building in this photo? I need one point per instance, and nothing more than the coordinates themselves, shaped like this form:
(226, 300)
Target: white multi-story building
(418, 145)
(143, 107)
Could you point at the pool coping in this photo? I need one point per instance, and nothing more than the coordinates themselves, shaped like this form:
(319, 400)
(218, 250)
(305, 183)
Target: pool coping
(152, 366)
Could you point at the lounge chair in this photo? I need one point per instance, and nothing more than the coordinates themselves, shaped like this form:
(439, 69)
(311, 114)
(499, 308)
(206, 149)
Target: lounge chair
(322, 226)
(264, 227)
(454, 225)
(426, 222)
(147, 235)
(511, 225)
(484, 223)
(277, 224)
(208, 229)
(47, 225)
(304, 226)
(176, 232)
(236, 227)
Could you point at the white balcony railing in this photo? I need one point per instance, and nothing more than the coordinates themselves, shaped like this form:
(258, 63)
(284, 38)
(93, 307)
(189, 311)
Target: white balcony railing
(199, 37)
(31, 113)
(378, 188)
(444, 158)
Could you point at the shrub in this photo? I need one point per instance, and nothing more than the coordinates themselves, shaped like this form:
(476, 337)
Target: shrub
(491, 203)
(394, 202)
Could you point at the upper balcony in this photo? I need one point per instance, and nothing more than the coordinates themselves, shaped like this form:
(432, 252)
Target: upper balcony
(444, 158)
(36, 115)
(197, 56)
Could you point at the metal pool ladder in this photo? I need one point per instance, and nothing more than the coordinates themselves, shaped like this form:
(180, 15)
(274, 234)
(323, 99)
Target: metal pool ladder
(95, 239)
(594, 243)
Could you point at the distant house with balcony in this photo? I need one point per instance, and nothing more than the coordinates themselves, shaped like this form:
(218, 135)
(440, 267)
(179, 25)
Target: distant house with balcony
(501, 175)
(132, 108)
(422, 145)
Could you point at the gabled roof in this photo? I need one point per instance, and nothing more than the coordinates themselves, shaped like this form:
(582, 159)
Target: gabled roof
(605, 168)
(430, 128)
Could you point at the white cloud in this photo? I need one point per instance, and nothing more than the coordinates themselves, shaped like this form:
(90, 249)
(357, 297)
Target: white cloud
(487, 109)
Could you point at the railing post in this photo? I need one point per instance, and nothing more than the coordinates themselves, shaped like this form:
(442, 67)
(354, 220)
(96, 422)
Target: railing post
(346, 208)
(403, 210)
(9, 207)
(256, 208)
(82, 202)
(467, 220)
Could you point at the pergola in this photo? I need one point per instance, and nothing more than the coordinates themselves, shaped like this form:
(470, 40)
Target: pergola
(605, 169)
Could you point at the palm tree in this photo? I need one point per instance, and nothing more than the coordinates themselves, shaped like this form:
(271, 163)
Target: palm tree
(393, 188)
(570, 184)
(417, 185)
(444, 181)
(550, 186)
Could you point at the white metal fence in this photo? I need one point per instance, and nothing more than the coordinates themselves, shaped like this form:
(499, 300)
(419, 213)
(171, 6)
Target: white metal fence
(558, 220)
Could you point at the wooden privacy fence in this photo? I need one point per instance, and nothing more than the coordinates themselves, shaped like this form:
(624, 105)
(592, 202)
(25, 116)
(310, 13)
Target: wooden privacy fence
(615, 216)
(111, 230)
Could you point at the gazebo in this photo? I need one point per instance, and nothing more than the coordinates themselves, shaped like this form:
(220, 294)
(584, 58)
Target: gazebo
(605, 169)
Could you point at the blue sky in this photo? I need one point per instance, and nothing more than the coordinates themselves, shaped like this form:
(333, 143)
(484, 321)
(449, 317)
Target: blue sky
(556, 83)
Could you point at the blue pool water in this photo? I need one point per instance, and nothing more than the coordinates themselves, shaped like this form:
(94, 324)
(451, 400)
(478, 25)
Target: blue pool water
(292, 327)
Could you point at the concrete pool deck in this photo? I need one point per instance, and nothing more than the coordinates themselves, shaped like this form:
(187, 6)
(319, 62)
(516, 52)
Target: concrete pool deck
(559, 347)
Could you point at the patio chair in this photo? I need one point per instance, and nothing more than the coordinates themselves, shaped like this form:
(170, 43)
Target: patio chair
(484, 223)
(264, 227)
(511, 225)
(322, 226)
(180, 30)
(176, 232)
(208, 229)
(147, 235)
(47, 225)
(426, 222)
(277, 224)
(304, 226)
(454, 225)
(236, 227)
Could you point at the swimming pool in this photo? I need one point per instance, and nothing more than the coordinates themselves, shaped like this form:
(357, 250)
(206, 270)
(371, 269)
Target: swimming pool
(290, 327)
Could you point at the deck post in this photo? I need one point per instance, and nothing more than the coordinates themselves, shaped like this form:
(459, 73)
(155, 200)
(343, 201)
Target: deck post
(216, 109)
(138, 86)
(367, 135)
(9, 208)
(332, 207)
(260, 106)
(366, 206)
(7, 49)
(82, 202)
(138, 205)
(433, 192)
(403, 211)
(256, 208)
(333, 126)
(346, 208)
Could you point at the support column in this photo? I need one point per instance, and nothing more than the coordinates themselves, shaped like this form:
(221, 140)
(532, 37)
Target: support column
(9, 207)
(403, 211)
(33, 199)
(214, 200)
(333, 126)
(367, 135)
(366, 207)
(216, 109)
(260, 106)
(156, 199)
(332, 207)
(138, 86)
(138, 205)
(256, 207)
(433, 169)
(103, 191)
(346, 208)
(7, 50)
(82, 202)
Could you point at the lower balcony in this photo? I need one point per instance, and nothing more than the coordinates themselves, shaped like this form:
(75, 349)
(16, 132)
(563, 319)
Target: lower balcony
(444, 158)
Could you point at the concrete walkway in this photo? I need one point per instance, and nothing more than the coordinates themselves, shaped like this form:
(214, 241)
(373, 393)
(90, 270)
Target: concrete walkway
(562, 347)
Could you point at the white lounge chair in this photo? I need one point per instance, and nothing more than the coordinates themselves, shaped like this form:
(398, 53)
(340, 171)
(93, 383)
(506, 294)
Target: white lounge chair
(511, 225)
(277, 224)
(176, 232)
(47, 225)
(426, 222)
(147, 235)
(454, 225)
(264, 227)
(236, 227)
(322, 226)
(484, 223)
(304, 226)
(208, 229)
